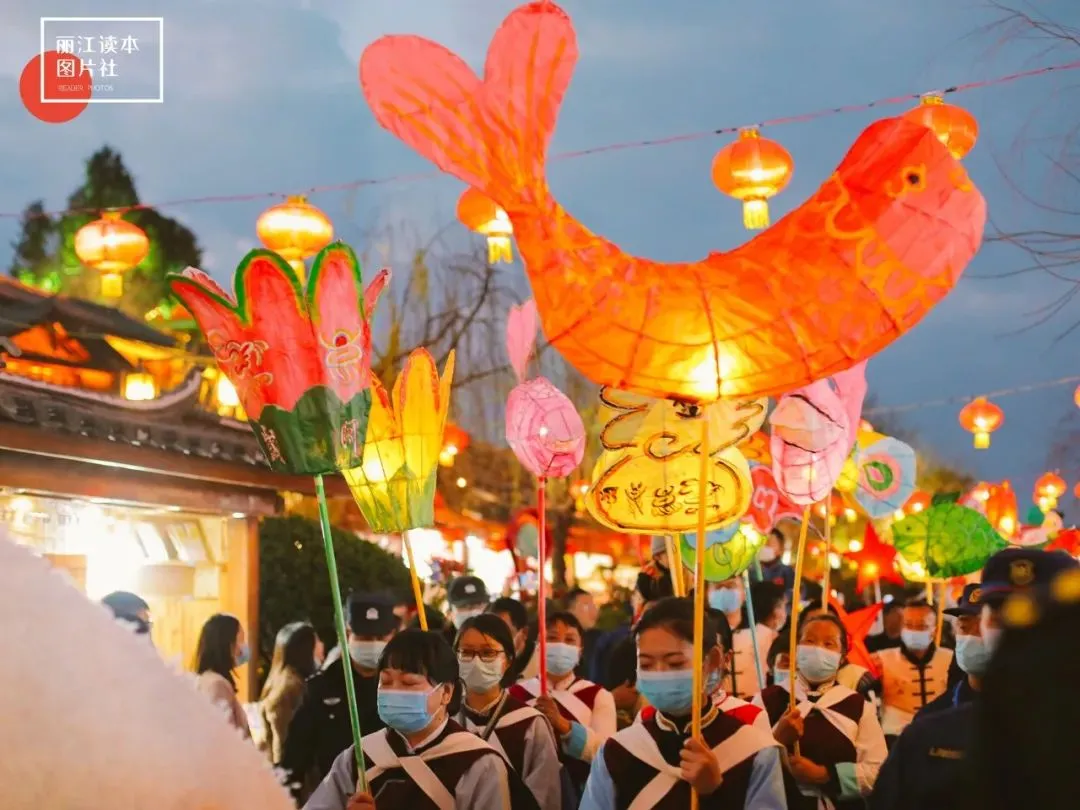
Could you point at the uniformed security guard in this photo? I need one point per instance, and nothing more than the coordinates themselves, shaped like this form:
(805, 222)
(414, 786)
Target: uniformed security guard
(972, 655)
(925, 770)
(320, 729)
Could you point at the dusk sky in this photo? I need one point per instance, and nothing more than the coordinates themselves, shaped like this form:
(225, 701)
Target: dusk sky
(263, 96)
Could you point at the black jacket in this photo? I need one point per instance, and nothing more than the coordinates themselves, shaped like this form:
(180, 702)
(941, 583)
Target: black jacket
(320, 729)
(956, 695)
(927, 768)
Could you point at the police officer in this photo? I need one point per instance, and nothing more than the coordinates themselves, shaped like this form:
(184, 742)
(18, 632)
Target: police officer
(972, 655)
(925, 770)
(321, 729)
(468, 597)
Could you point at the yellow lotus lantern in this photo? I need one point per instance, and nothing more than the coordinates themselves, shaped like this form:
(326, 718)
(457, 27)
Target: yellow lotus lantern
(394, 486)
(112, 246)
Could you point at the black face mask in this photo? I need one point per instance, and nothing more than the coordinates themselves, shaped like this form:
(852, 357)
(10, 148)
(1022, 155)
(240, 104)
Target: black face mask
(139, 627)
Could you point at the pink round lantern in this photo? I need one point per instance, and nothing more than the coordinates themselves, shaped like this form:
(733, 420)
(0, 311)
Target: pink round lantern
(544, 429)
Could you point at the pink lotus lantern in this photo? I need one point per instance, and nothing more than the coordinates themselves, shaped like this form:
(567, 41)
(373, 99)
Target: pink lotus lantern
(546, 434)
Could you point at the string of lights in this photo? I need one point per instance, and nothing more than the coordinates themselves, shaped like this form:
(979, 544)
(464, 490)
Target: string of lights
(960, 400)
(669, 140)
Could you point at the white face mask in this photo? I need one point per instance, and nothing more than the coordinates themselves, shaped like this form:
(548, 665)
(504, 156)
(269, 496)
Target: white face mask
(463, 614)
(917, 640)
(481, 676)
(767, 554)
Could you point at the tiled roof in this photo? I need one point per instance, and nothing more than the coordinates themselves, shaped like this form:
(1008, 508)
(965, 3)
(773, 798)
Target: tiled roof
(174, 423)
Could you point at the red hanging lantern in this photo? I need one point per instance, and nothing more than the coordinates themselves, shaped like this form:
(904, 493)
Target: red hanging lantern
(1048, 489)
(1001, 509)
(753, 169)
(981, 417)
(113, 246)
(480, 214)
(954, 126)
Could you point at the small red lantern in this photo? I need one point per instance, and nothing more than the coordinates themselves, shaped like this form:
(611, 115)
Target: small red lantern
(481, 215)
(113, 246)
(1001, 509)
(954, 126)
(455, 440)
(982, 417)
(1048, 489)
(753, 169)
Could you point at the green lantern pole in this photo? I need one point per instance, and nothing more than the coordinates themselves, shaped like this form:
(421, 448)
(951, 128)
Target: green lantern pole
(343, 639)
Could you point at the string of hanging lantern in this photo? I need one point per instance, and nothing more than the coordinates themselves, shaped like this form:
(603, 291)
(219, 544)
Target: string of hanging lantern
(940, 120)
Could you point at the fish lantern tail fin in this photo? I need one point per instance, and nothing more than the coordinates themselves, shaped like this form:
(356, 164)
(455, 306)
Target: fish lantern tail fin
(492, 133)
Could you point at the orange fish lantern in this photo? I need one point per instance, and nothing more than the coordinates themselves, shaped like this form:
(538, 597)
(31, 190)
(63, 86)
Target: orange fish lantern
(479, 214)
(883, 240)
(1001, 509)
(752, 169)
(981, 417)
(954, 126)
(1048, 489)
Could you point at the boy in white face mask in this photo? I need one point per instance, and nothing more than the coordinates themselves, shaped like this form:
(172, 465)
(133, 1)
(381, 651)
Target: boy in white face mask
(485, 653)
(914, 673)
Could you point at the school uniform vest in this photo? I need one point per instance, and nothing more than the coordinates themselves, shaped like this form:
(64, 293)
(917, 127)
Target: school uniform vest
(907, 685)
(830, 730)
(575, 704)
(643, 761)
(424, 779)
(511, 725)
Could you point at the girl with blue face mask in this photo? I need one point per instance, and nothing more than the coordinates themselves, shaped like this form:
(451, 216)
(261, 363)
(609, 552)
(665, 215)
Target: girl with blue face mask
(419, 693)
(656, 762)
(582, 713)
(485, 653)
(840, 743)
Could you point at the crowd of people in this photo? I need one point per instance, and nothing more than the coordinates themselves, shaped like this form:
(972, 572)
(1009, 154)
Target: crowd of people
(457, 717)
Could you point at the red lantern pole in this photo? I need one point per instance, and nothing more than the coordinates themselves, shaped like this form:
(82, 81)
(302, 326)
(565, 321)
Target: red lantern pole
(541, 586)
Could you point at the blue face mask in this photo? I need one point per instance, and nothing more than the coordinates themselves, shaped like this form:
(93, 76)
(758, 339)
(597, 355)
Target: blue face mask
(917, 640)
(243, 656)
(972, 655)
(712, 681)
(726, 600)
(404, 710)
(780, 677)
(816, 664)
(561, 658)
(670, 692)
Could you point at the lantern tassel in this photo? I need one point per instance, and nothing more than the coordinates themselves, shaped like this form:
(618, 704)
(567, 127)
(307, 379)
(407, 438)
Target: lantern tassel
(755, 215)
(982, 439)
(112, 285)
(499, 250)
(343, 637)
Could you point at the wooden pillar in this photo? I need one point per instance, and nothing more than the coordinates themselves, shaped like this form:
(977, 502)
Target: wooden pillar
(241, 593)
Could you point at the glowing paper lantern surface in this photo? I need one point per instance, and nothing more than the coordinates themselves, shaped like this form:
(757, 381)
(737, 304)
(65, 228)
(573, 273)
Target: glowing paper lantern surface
(981, 417)
(954, 126)
(394, 485)
(1049, 487)
(886, 476)
(726, 560)
(752, 169)
(861, 262)
(945, 540)
(113, 246)
(543, 427)
(876, 561)
(298, 357)
(1001, 508)
(479, 214)
(647, 477)
(294, 229)
(768, 506)
(813, 430)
